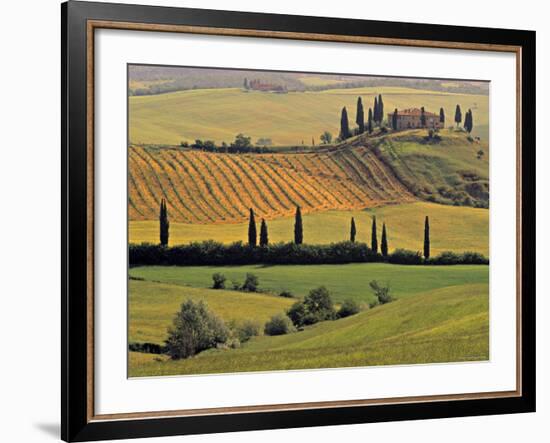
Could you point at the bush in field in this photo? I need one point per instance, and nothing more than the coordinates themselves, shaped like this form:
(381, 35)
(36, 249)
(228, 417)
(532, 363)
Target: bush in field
(286, 294)
(247, 330)
(473, 258)
(278, 325)
(148, 348)
(218, 281)
(349, 307)
(317, 306)
(405, 257)
(452, 258)
(382, 293)
(251, 283)
(194, 329)
(297, 313)
(235, 285)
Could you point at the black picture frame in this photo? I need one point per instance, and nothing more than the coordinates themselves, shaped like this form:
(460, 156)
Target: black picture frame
(76, 423)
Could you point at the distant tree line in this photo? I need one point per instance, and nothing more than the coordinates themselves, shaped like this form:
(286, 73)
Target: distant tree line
(211, 253)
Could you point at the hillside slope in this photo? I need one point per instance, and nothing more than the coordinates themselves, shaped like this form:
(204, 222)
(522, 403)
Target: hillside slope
(445, 325)
(287, 119)
(448, 172)
(203, 187)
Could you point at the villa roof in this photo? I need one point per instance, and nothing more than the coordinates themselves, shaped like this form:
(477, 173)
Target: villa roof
(415, 112)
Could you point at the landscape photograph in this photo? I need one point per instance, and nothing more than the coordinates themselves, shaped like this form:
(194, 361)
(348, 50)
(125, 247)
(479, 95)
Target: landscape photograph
(284, 220)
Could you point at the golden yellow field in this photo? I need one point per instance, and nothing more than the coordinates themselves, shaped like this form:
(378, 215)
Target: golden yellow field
(207, 188)
(287, 119)
(454, 228)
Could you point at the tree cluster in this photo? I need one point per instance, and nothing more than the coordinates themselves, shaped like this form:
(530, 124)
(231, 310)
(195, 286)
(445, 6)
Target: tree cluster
(194, 329)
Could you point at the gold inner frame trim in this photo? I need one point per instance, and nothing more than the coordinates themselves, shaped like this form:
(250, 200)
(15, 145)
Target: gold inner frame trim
(92, 25)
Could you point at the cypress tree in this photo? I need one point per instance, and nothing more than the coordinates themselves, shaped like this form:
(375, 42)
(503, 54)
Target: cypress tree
(298, 228)
(427, 238)
(360, 116)
(375, 110)
(394, 120)
(442, 116)
(252, 229)
(422, 117)
(164, 223)
(352, 231)
(369, 122)
(380, 109)
(458, 115)
(384, 241)
(264, 240)
(344, 125)
(468, 121)
(374, 239)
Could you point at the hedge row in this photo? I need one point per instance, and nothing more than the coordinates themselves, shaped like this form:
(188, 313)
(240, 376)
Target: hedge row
(212, 253)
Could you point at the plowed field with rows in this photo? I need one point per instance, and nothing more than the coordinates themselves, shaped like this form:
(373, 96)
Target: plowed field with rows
(207, 188)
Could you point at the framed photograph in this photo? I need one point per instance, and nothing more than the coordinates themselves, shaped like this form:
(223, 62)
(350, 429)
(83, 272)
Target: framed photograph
(277, 221)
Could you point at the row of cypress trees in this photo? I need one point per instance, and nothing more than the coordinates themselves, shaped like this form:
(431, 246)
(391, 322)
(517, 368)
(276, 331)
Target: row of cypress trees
(468, 118)
(299, 231)
(375, 117)
(264, 236)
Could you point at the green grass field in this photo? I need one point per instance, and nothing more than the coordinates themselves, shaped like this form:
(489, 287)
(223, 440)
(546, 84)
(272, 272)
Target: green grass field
(287, 119)
(344, 281)
(152, 306)
(455, 228)
(444, 325)
(448, 168)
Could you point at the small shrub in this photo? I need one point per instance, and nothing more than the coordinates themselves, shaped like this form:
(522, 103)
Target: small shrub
(248, 330)
(297, 313)
(286, 294)
(219, 281)
(251, 283)
(405, 257)
(382, 293)
(235, 285)
(148, 348)
(318, 304)
(194, 329)
(233, 343)
(349, 307)
(278, 325)
(474, 258)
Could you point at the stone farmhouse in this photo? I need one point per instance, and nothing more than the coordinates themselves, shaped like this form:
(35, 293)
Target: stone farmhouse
(410, 118)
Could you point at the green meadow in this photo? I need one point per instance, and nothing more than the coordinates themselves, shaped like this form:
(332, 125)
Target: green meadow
(453, 228)
(443, 325)
(287, 119)
(344, 281)
(152, 306)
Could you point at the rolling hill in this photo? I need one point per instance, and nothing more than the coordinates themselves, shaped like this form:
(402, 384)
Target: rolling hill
(152, 306)
(343, 281)
(444, 325)
(205, 188)
(287, 119)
